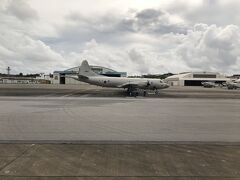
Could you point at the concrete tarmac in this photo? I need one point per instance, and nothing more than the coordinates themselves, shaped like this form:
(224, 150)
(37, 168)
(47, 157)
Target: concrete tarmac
(82, 119)
(182, 134)
(119, 162)
(85, 90)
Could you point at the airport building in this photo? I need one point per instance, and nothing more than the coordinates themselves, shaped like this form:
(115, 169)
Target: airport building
(63, 77)
(195, 78)
(23, 80)
(45, 77)
(235, 76)
(26, 79)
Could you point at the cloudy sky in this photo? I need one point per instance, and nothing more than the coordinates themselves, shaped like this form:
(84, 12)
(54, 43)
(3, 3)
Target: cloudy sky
(137, 36)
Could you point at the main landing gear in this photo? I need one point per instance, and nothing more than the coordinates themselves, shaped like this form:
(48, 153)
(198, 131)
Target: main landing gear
(135, 93)
(144, 93)
(132, 93)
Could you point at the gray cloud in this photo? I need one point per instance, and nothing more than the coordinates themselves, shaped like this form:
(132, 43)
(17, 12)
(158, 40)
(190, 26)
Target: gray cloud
(157, 21)
(21, 10)
(115, 29)
(149, 14)
(137, 41)
(139, 61)
(219, 12)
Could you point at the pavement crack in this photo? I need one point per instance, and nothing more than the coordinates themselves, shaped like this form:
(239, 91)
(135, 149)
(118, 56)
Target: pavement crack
(16, 158)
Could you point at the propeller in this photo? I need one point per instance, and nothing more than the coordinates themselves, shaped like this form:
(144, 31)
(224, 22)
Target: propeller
(148, 84)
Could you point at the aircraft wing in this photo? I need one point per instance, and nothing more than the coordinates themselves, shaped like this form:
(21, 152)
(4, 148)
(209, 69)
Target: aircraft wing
(134, 85)
(73, 77)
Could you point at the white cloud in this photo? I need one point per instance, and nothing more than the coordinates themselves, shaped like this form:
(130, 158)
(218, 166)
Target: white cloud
(24, 54)
(137, 36)
(211, 48)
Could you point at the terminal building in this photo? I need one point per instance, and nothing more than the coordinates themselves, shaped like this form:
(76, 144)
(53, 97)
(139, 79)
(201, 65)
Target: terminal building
(195, 78)
(17, 80)
(64, 77)
(25, 79)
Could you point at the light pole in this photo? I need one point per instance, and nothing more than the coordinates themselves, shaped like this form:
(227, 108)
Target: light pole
(8, 70)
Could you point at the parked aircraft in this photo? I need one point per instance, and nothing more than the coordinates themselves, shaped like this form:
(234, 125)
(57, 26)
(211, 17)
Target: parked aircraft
(209, 84)
(233, 84)
(131, 84)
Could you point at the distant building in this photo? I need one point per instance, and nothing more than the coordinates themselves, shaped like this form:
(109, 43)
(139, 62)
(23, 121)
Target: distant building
(63, 77)
(25, 79)
(235, 76)
(46, 77)
(18, 80)
(195, 78)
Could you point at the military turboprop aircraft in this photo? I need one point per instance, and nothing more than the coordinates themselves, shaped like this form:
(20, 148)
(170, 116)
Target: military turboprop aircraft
(131, 84)
(233, 84)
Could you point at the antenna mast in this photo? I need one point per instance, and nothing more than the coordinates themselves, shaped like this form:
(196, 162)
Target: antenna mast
(8, 70)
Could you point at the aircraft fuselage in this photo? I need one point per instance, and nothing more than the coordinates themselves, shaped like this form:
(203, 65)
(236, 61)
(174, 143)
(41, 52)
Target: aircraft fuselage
(116, 82)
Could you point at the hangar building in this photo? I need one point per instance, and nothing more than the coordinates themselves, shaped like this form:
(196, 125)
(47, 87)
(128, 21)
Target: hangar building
(195, 78)
(62, 77)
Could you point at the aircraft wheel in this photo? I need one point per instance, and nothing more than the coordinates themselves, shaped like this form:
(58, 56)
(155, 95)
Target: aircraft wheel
(132, 94)
(144, 93)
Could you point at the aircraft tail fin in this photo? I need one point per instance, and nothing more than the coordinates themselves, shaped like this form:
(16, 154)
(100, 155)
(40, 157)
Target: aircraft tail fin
(85, 70)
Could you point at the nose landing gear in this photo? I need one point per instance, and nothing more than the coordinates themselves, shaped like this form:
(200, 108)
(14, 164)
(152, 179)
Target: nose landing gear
(144, 93)
(156, 92)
